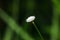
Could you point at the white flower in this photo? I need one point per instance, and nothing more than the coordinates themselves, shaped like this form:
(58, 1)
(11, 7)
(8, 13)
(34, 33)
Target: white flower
(30, 19)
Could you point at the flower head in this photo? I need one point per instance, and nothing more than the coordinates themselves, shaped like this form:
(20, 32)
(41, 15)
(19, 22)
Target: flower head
(30, 19)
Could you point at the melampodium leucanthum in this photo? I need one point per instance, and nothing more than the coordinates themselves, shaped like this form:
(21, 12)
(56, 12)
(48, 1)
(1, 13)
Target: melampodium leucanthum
(31, 19)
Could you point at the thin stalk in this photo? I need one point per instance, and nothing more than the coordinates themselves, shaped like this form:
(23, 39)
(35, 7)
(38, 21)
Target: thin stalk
(37, 30)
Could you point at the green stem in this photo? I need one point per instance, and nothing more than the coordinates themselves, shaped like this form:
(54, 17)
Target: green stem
(37, 30)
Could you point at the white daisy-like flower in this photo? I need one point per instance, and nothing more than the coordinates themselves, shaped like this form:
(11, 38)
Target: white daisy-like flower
(30, 19)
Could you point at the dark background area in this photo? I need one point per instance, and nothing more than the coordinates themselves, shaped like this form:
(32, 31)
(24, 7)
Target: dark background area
(42, 10)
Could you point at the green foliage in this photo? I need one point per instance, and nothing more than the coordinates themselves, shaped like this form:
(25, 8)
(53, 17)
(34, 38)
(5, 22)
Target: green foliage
(21, 8)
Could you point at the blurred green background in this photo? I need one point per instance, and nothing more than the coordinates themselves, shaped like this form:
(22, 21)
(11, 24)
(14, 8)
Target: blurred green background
(13, 15)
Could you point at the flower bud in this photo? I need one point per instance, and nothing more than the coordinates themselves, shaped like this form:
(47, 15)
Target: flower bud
(30, 19)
